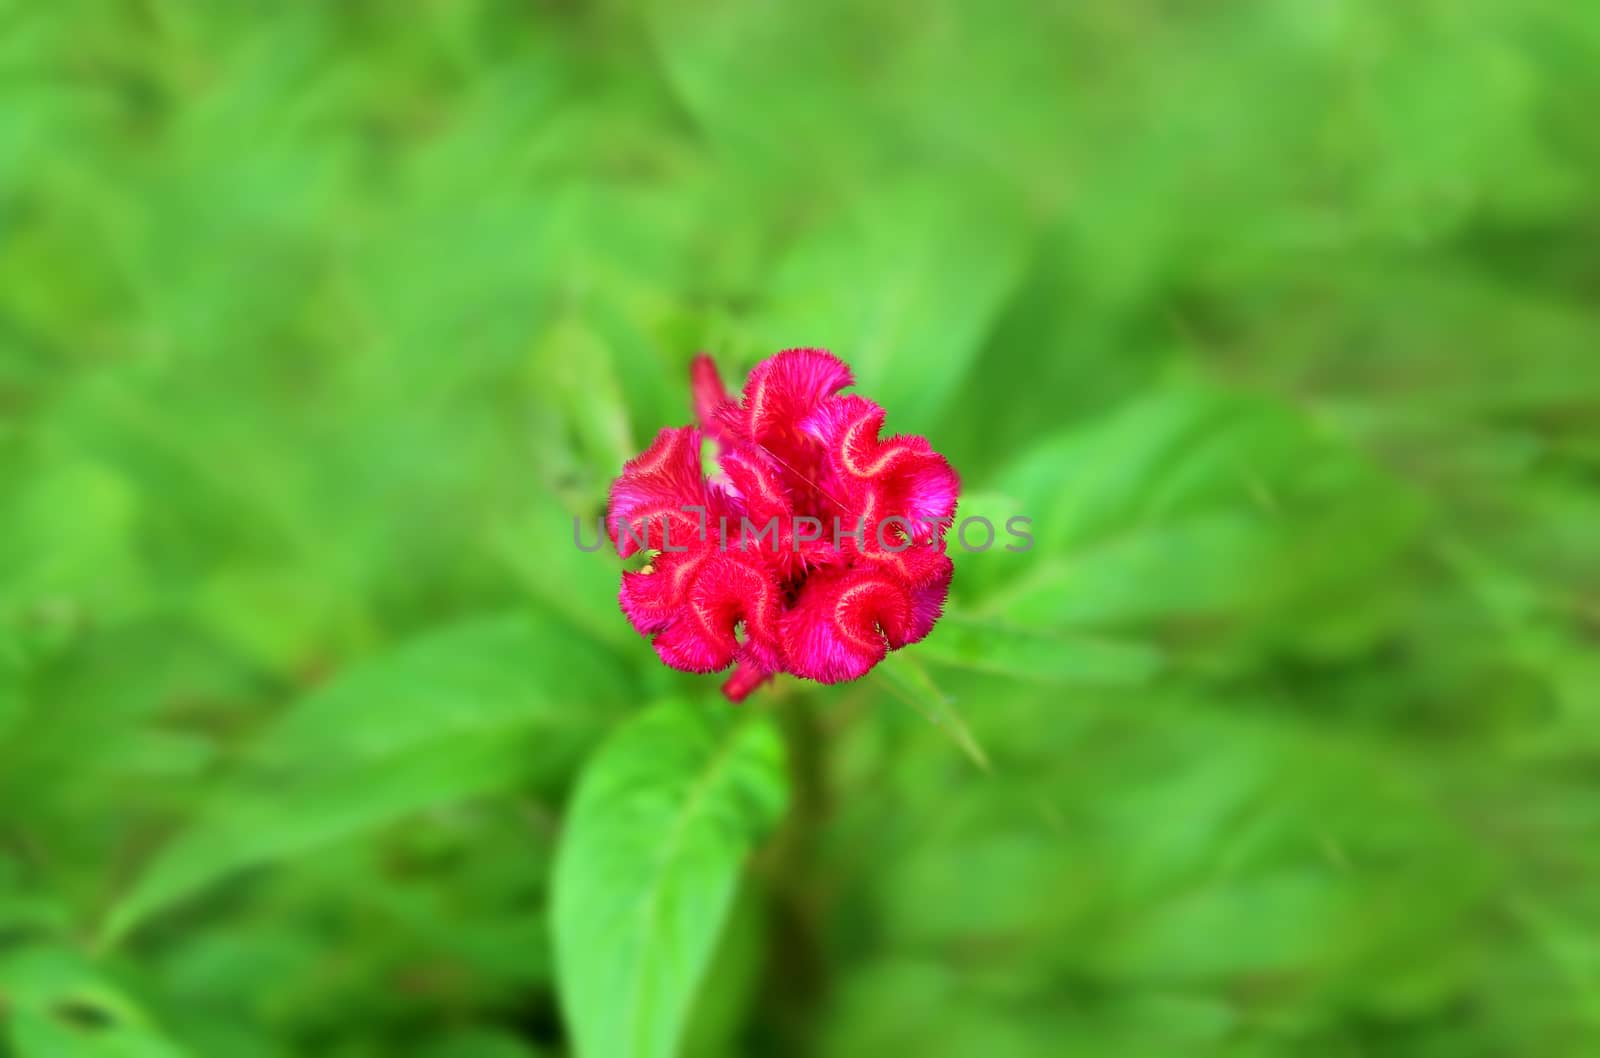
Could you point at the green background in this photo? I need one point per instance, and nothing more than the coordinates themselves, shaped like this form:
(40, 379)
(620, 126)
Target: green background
(320, 323)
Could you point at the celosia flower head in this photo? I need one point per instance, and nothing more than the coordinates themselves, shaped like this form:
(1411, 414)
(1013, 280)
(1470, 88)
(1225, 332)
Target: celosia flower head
(815, 550)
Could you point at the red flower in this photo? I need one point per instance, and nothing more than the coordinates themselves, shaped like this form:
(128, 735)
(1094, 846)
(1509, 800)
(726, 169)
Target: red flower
(817, 548)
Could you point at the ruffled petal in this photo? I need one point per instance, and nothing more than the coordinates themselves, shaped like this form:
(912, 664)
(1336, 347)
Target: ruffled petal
(757, 483)
(912, 565)
(843, 623)
(697, 605)
(900, 477)
(651, 598)
(710, 397)
(762, 494)
(785, 388)
(928, 596)
(650, 502)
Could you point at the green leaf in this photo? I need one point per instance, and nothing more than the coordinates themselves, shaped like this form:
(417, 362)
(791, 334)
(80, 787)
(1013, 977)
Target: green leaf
(910, 682)
(1196, 512)
(977, 645)
(53, 1004)
(649, 867)
(478, 707)
(732, 981)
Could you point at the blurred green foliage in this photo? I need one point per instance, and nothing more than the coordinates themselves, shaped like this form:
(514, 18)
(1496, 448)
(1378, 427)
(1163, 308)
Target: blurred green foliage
(319, 323)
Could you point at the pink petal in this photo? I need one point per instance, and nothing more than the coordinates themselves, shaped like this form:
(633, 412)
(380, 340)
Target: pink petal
(714, 595)
(688, 647)
(651, 598)
(783, 389)
(927, 600)
(842, 624)
(902, 477)
(649, 500)
(746, 678)
(757, 482)
(710, 396)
